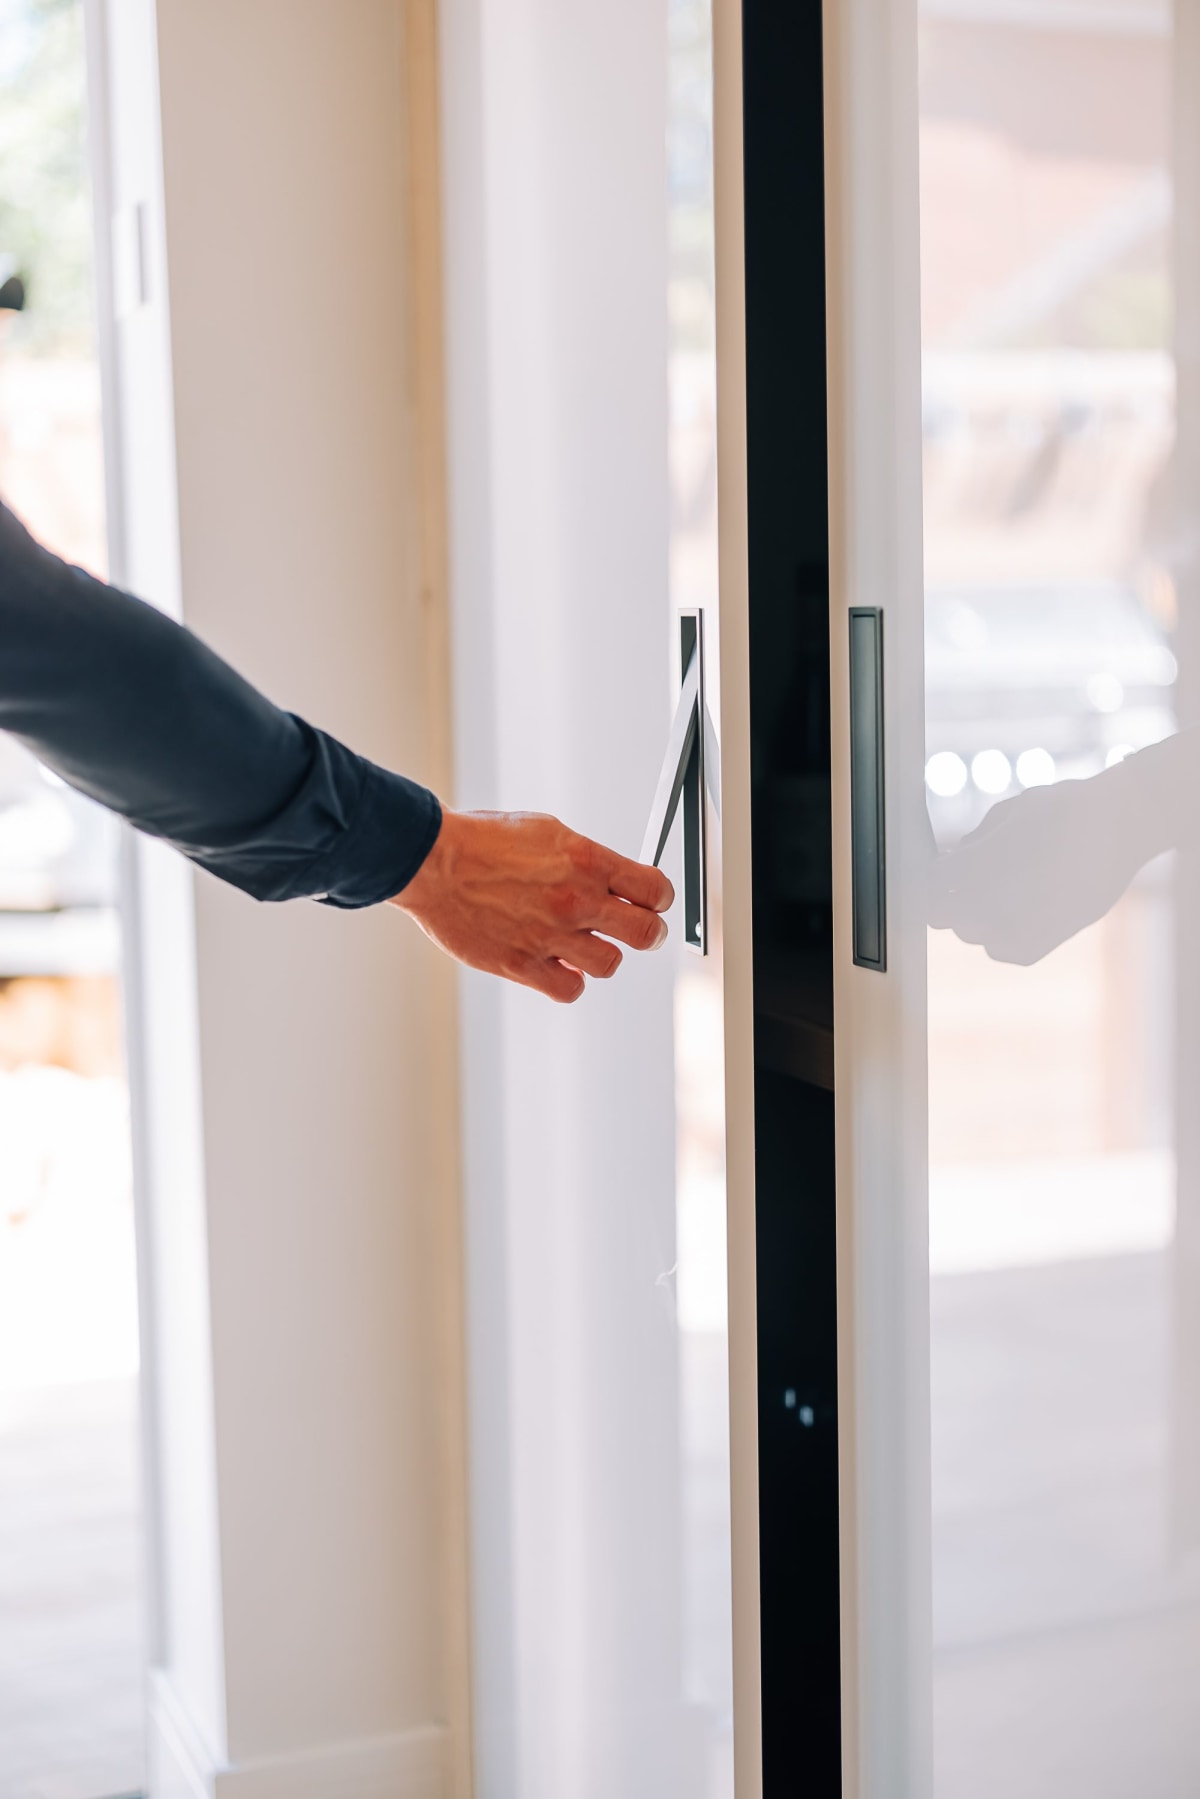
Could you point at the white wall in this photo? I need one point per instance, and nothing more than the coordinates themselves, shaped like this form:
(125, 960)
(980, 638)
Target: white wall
(267, 483)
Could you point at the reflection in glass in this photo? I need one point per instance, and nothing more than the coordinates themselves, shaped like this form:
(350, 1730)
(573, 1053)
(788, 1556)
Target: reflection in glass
(1060, 781)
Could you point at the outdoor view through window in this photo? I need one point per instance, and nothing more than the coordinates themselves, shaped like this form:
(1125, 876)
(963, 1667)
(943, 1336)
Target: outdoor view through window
(70, 1601)
(1056, 188)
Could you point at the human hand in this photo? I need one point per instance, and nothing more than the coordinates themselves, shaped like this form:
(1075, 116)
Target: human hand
(519, 895)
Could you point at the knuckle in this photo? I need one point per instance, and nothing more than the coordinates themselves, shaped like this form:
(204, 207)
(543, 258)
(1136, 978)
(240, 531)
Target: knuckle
(566, 903)
(587, 856)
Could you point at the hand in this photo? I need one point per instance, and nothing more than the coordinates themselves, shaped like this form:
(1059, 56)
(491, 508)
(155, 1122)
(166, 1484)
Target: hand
(518, 894)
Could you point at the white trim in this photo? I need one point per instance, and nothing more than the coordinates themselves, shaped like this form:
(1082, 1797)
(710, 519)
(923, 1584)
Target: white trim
(873, 277)
(100, 168)
(737, 898)
(409, 1764)
(159, 950)
(95, 28)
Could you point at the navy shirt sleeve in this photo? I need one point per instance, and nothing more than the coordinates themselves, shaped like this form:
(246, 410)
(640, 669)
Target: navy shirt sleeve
(132, 709)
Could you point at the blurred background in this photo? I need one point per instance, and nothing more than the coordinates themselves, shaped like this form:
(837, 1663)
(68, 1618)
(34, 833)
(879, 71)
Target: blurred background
(70, 1575)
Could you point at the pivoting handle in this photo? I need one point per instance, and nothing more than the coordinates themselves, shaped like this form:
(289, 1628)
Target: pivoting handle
(690, 769)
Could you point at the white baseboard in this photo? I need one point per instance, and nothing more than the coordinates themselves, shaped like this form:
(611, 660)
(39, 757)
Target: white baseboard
(409, 1765)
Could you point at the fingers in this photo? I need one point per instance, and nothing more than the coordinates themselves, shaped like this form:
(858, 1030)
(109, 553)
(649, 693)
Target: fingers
(633, 925)
(639, 883)
(561, 977)
(545, 974)
(593, 955)
(526, 898)
(554, 979)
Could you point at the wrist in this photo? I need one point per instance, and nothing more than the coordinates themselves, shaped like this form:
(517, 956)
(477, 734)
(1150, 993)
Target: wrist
(430, 872)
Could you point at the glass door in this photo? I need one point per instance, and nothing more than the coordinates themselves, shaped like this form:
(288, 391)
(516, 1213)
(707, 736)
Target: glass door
(1014, 266)
(1057, 175)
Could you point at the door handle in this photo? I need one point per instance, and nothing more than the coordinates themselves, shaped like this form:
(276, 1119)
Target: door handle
(868, 831)
(690, 769)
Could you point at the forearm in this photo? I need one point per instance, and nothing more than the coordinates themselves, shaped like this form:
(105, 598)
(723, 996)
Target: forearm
(130, 708)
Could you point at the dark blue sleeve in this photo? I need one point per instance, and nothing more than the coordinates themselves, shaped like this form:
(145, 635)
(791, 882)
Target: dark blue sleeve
(132, 709)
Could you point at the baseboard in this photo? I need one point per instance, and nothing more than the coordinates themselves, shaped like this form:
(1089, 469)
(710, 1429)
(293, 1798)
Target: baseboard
(409, 1765)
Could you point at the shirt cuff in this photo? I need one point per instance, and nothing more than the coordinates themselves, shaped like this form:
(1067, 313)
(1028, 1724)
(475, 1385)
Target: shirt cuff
(394, 826)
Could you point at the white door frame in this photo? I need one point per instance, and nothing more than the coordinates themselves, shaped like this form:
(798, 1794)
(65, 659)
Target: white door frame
(729, 207)
(873, 278)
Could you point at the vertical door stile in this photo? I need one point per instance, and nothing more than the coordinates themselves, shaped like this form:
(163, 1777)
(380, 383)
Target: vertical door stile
(1184, 1502)
(872, 252)
(736, 876)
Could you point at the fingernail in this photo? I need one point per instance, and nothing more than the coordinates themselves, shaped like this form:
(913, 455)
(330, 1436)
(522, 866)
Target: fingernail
(662, 934)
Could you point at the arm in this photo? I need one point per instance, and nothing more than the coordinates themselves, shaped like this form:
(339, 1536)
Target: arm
(1049, 862)
(135, 711)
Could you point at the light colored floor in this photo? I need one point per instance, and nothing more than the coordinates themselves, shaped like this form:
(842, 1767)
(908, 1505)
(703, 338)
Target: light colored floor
(1067, 1631)
(70, 1610)
(71, 1656)
(1068, 1636)
(1067, 1628)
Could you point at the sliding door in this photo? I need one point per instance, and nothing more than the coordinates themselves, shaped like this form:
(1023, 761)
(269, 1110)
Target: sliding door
(1013, 260)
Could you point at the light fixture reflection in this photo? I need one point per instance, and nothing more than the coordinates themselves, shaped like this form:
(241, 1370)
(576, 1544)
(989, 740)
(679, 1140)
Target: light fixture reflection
(1106, 693)
(991, 771)
(945, 774)
(1035, 768)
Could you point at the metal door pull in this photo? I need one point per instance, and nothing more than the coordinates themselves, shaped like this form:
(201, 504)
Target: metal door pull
(691, 766)
(680, 743)
(868, 833)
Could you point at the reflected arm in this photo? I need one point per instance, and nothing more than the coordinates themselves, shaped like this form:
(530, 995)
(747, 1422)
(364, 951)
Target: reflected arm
(1043, 866)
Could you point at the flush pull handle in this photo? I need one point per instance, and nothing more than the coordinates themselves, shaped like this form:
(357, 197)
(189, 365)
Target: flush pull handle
(868, 830)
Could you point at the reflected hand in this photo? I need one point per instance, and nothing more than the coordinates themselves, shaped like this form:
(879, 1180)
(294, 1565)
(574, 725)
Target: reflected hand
(518, 894)
(1048, 863)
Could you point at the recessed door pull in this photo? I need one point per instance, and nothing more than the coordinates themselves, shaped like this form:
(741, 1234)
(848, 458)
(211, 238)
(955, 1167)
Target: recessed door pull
(868, 832)
(691, 766)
